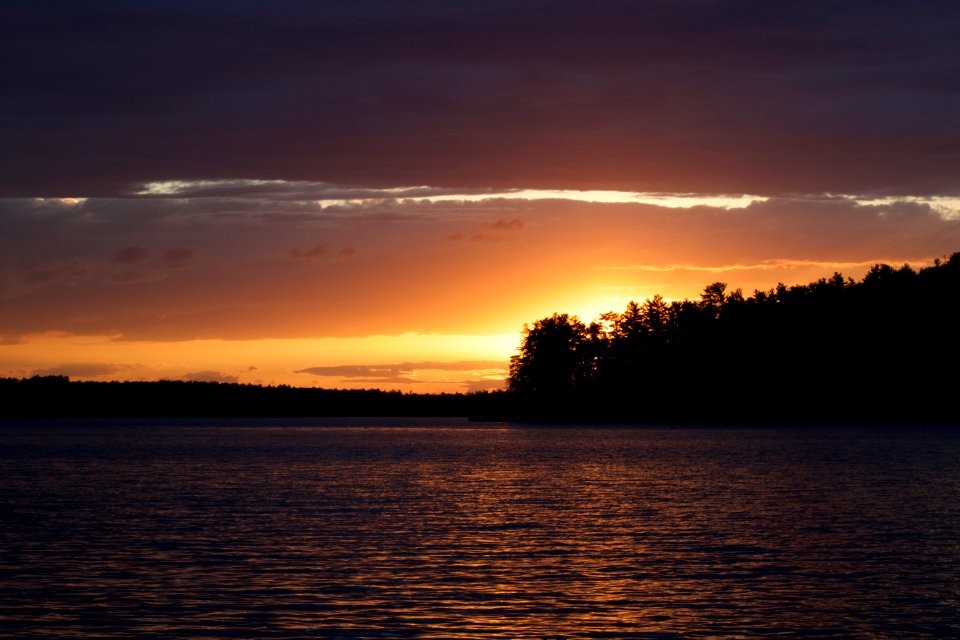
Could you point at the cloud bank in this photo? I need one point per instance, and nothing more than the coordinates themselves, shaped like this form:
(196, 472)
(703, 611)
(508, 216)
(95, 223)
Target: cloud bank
(476, 375)
(159, 268)
(728, 96)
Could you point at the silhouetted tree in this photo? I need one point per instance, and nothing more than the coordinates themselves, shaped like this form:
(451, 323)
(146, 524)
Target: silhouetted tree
(879, 349)
(656, 315)
(630, 324)
(713, 297)
(551, 357)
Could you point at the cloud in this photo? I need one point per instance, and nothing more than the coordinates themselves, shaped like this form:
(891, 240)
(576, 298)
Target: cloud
(57, 271)
(461, 365)
(176, 258)
(39, 274)
(135, 268)
(354, 371)
(315, 251)
(374, 374)
(767, 265)
(83, 370)
(407, 372)
(488, 232)
(294, 190)
(131, 254)
(686, 96)
(320, 250)
(209, 376)
(131, 276)
(472, 386)
(507, 225)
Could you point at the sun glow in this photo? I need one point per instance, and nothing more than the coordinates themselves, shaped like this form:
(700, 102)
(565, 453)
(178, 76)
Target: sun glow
(417, 288)
(428, 362)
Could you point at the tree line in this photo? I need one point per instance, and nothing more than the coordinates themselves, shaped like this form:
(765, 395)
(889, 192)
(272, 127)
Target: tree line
(881, 349)
(884, 349)
(60, 397)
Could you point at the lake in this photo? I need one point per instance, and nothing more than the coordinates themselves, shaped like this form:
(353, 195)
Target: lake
(446, 529)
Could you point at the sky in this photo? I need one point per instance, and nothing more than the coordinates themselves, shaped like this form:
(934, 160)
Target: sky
(380, 194)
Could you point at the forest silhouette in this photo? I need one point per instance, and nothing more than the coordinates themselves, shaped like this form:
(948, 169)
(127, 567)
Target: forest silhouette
(882, 349)
(60, 397)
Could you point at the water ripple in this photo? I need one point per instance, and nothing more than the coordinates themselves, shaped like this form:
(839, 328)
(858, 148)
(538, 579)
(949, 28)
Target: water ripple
(454, 532)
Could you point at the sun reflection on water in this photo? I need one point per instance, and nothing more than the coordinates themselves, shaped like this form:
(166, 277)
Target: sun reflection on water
(465, 533)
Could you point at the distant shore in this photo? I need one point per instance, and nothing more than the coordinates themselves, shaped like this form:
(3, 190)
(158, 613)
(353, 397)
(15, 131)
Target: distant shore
(57, 400)
(59, 397)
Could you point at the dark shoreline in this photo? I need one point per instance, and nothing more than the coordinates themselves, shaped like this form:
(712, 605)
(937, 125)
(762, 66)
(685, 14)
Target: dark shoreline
(57, 399)
(427, 422)
(52, 397)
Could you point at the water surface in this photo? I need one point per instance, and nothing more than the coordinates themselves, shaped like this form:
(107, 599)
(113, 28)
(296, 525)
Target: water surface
(442, 529)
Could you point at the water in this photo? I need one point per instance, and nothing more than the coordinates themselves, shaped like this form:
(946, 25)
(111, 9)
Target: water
(448, 530)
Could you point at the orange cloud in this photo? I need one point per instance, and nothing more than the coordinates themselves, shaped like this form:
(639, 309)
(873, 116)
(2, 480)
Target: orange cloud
(277, 361)
(557, 255)
(466, 375)
(209, 376)
(488, 232)
(507, 225)
(315, 251)
(85, 370)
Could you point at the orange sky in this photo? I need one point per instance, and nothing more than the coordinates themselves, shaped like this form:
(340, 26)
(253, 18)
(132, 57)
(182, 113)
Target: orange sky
(374, 193)
(295, 287)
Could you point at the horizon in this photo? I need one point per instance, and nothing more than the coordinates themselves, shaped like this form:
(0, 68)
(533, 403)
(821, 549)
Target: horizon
(375, 196)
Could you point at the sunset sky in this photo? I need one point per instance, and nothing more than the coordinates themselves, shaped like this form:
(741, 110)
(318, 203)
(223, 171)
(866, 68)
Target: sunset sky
(380, 193)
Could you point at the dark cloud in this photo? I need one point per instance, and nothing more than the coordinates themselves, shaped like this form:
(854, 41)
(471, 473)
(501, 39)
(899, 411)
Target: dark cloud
(729, 96)
(131, 254)
(209, 376)
(374, 374)
(357, 371)
(507, 225)
(38, 274)
(136, 269)
(400, 373)
(176, 257)
(391, 379)
(490, 232)
(83, 370)
(471, 386)
(320, 250)
(133, 276)
(315, 251)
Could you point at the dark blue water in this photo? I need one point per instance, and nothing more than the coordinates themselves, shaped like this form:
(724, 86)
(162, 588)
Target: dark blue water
(445, 530)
